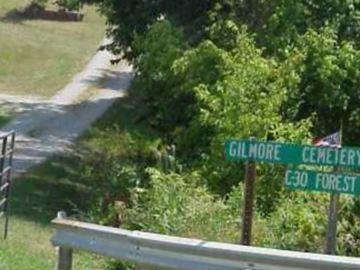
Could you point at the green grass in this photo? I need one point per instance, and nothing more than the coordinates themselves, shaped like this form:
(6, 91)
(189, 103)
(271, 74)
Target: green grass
(39, 57)
(4, 118)
(49, 188)
(28, 247)
(36, 198)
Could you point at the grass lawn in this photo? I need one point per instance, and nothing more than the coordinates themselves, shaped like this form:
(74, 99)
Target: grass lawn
(39, 57)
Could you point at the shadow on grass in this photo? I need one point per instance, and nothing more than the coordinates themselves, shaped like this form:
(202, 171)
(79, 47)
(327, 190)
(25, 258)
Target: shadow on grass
(127, 114)
(4, 120)
(53, 186)
(13, 16)
(110, 79)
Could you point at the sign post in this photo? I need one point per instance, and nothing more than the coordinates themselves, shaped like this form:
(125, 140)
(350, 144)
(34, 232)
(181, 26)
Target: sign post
(282, 153)
(332, 224)
(250, 175)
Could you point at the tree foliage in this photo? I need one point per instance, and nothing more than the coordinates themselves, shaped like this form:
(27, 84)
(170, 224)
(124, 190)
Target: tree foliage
(329, 85)
(212, 70)
(129, 18)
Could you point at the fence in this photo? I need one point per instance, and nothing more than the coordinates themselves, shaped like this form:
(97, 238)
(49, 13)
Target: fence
(155, 251)
(6, 157)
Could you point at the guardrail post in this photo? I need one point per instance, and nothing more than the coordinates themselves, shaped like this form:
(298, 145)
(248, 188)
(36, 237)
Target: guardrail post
(64, 255)
(64, 261)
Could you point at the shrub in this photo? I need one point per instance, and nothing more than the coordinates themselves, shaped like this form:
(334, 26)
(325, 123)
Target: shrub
(349, 227)
(298, 223)
(176, 204)
(156, 52)
(113, 163)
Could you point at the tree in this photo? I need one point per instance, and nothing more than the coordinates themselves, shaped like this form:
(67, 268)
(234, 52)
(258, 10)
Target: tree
(128, 19)
(329, 83)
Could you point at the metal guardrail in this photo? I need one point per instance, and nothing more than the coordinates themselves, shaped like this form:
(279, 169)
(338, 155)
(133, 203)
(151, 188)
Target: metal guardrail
(155, 251)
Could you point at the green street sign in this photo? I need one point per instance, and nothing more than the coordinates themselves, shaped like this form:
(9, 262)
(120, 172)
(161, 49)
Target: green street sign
(321, 181)
(274, 152)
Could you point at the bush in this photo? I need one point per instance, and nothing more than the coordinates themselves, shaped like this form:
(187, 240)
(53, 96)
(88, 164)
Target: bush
(177, 205)
(114, 163)
(299, 222)
(156, 82)
(349, 227)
